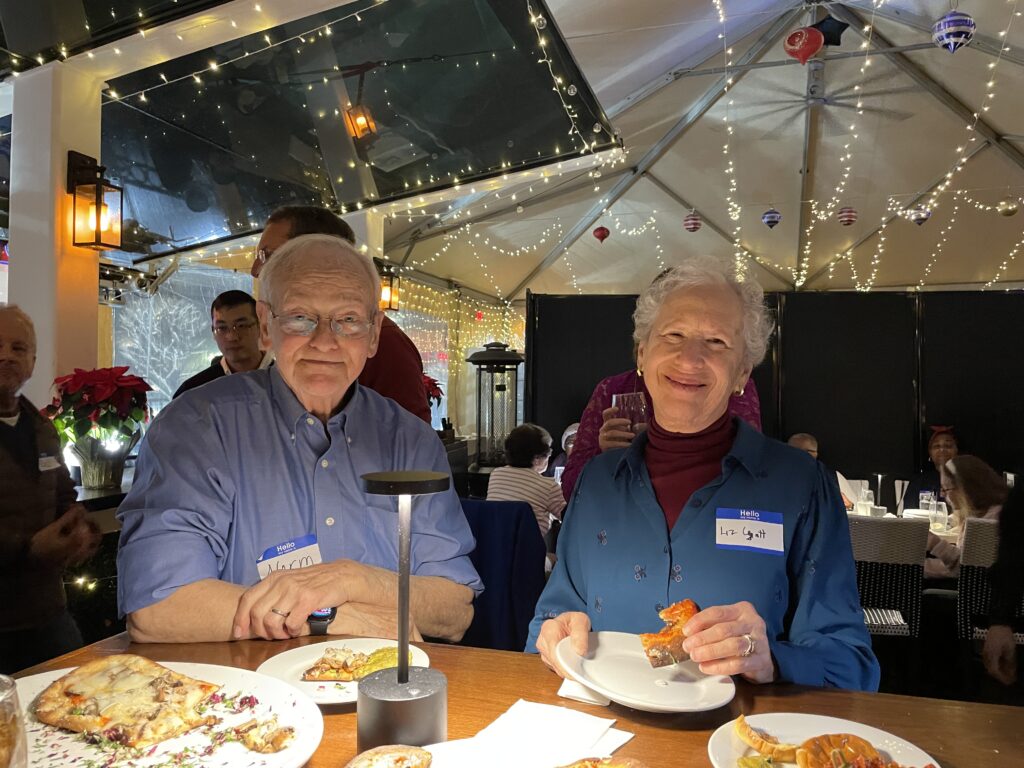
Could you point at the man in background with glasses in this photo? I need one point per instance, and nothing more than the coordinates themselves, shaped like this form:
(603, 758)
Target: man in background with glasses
(247, 516)
(236, 329)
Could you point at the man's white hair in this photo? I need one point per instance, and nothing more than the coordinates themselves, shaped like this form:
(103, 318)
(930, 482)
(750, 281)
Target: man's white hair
(317, 253)
(22, 315)
(707, 270)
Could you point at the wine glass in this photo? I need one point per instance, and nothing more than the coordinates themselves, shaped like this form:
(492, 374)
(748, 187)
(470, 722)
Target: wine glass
(632, 406)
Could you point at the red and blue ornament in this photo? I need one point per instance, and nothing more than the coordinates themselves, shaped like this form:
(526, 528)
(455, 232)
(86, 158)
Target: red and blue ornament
(953, 31)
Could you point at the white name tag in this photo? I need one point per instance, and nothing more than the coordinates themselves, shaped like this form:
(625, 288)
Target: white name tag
(46, 463)
(300, 553)
(749, 529)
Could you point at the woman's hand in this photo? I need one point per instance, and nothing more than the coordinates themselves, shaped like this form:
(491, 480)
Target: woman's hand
(614, 432)
(1000, 654)
(730, 640)
(569, 624)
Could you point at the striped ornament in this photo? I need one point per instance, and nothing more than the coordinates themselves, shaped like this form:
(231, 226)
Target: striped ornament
(953, 31)
(847, 216)
(920, 215)
(692, 222)
(771, 217)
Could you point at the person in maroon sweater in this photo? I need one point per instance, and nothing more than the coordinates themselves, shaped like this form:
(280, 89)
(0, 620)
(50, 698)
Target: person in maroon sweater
(396, 370)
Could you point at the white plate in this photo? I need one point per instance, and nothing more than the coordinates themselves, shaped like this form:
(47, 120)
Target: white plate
(617, 667)
(290, 665)
(725, 748)
(51, 747)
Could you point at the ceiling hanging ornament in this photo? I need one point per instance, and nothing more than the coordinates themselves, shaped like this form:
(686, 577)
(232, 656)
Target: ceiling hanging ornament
(601, 233)
(831, 29)
(771, 217)
(920, 215)
(953, 31)
(1008, 206)
(804, 43)
(692, 221)
(847, 215)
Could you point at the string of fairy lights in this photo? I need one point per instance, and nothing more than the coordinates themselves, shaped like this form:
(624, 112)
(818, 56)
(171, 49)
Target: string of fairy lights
(943, 239)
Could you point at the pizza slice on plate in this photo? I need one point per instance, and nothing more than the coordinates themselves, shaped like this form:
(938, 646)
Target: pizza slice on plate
(666, 647)
(341, 664)
(126, 699)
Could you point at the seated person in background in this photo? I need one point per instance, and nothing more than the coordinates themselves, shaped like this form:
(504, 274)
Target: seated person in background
(942, 446)
(42, 529)
(242, 482)
(236, 329)
(1007, 579)
(702, 506)
(808, 443)
(973, 489)
(396, 369)
(600, 429)
(527, 450)
(568, 443)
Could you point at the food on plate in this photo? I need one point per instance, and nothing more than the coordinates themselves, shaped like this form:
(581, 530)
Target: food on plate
(606, 762)
(126, 699)
(834, 750)
(341, 664)
(666, 647)
(765, 744)
(391, 756)
(266, 736)
(755, 761)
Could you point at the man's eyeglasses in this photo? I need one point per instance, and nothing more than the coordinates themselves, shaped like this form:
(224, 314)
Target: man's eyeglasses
(243, 326)
(349, 326)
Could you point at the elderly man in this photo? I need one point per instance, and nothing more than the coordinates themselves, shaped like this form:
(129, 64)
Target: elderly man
(236, 329)
(396, 370)
(808, 443)
(247, 513)
(42, 530)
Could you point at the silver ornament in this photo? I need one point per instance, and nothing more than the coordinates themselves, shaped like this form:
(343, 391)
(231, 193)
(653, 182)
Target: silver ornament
(571, 90)
(1008, 206)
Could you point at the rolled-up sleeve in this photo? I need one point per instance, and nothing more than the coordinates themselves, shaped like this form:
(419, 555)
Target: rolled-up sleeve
(827, 643)
(176, 519)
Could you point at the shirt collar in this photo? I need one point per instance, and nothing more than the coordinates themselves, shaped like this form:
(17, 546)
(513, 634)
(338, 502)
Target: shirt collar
(746, 450)
(265, 361)
(293, 410)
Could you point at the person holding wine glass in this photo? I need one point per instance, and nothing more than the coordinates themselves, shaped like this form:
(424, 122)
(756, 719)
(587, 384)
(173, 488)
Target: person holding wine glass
(702, 506)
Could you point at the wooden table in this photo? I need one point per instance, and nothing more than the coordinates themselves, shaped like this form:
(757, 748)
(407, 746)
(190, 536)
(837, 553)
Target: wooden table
(482, 684)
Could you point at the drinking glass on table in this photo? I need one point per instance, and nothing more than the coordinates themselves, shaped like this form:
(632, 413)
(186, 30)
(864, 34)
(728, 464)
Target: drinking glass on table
(938, 516)
(632, 406)
(865, 502)
(13, 751)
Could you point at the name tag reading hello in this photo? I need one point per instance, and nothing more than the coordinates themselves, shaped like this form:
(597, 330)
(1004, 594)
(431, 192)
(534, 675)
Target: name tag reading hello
(46, 463)
(300, 553)
(749, 529)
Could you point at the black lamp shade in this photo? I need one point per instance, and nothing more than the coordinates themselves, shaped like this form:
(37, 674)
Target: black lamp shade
(407, 482)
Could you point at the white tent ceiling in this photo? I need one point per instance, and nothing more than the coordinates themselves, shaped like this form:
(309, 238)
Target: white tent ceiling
(905, 142)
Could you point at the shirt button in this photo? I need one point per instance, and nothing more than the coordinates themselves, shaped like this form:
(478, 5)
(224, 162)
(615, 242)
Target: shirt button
(329, 521)
(323, 463)
(348, 440)
(310, 420)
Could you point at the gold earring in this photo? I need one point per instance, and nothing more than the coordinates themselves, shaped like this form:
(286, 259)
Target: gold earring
(739, 392)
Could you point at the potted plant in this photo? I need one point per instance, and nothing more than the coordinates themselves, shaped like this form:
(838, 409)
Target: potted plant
(99, 413)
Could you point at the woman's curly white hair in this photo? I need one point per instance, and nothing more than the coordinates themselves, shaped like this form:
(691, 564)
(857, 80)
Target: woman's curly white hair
(707, 270)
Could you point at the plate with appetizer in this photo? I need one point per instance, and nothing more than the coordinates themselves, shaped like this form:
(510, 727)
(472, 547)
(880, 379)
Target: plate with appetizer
(651, 671)
(125, 710)
(780, 739)
(329, 673)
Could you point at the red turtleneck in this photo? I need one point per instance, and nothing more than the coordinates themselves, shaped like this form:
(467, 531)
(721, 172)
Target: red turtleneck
(680, 464)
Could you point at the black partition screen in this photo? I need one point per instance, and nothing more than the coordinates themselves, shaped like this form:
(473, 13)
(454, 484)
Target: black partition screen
(572, 342)
(972, 365)
(848, 368)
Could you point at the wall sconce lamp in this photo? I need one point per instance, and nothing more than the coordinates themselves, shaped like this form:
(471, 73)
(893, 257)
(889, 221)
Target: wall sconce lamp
(358, 119)
(97, 204)
(390, 287)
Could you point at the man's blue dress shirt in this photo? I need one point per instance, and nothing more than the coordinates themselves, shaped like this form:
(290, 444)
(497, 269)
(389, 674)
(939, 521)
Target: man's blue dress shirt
(238, 466)
(619, 564)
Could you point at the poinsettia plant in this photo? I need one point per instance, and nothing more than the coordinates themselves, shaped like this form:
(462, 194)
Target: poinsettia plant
(106, 404)
(433, 388)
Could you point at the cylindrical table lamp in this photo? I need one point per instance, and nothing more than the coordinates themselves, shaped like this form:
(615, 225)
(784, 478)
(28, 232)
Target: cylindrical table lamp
(403, 705)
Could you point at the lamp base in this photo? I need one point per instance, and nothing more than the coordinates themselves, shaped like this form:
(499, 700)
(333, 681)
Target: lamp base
(413, 713)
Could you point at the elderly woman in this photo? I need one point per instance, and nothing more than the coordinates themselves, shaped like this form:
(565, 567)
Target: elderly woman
(973, 489)
(702, 506)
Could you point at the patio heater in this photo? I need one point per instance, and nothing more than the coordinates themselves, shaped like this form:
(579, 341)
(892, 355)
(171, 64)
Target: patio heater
(403, 704)
(496, 400)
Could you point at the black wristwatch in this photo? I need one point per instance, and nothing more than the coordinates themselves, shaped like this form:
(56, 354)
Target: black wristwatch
(320, 619)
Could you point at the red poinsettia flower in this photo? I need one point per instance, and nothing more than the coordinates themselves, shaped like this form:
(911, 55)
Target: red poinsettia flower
(433, 388)
(106, 402)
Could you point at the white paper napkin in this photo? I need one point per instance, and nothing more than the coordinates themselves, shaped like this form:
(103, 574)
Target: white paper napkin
(537, 735)
(578, 692)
